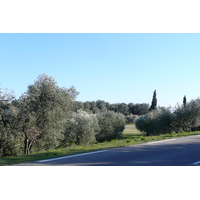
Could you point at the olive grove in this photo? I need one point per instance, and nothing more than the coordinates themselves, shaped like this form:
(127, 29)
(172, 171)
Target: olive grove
(36, 119)
(46, 117)
(161, 121)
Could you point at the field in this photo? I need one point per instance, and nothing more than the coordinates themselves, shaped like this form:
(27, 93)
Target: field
(130, 130)
(130, 136)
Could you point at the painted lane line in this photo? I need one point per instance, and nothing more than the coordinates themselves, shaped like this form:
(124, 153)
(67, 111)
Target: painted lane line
(76, 155)
(160, 141)
(196, 163)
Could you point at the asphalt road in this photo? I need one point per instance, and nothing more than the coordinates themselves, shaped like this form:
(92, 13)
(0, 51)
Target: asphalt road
(183, 151)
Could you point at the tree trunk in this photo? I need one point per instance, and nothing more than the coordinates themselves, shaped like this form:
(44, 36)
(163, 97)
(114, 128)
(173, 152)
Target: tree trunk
(27, 146)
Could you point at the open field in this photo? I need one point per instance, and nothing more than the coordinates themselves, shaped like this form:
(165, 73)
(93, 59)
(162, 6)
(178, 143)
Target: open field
(130, 136)
(130, 130)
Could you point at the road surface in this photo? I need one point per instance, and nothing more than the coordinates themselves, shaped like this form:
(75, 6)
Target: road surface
(183, 151)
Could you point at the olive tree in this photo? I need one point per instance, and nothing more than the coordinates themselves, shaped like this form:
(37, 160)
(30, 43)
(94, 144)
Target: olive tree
(81, 129)
(131, 118)
(44, 109)
(11, 139)
(111, 125)
(146, 123)
(161, 121)
(156, 122)
(187, 117)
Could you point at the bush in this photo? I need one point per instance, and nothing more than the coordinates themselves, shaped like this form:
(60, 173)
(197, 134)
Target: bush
(111, 124)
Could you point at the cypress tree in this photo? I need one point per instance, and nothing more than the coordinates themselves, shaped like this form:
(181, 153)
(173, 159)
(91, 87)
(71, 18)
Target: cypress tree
(184, 101)
(154, 102)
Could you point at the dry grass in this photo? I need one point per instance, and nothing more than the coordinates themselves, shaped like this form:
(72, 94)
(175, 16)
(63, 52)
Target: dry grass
(130, 129)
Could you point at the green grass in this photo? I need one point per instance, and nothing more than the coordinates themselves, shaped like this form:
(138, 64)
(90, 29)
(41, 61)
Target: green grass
(131, 136)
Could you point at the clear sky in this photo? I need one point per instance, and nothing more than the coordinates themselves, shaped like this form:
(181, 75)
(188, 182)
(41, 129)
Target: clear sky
(123, 67)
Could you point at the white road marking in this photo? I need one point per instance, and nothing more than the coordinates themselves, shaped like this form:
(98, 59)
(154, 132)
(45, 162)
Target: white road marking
(76, 155)
(196, 163)
(160, 141)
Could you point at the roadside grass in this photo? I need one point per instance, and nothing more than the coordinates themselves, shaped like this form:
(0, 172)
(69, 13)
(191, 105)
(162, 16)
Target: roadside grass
(131, 136)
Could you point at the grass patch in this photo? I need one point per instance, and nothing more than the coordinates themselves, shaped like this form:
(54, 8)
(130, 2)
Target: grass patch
(130, 136)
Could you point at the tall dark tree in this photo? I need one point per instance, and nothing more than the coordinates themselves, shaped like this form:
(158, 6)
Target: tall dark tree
(154, 102)
(184, 101)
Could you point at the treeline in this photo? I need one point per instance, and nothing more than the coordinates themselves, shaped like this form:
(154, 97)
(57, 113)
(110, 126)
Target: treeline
(126, 109)
(47, 116)
(161, 120)
(131, 111)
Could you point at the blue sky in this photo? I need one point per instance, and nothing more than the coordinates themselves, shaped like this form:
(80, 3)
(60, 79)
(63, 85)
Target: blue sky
(124, 67)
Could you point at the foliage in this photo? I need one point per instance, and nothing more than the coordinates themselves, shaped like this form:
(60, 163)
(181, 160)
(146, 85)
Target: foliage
(99, 106)
(111, 125)
(162, 121)
(184, 101)
(155, 122)
(187, 117)
(138, 109)
(81, 129)
(121, 108)
(131, 118)
(154, 102)
(37, 117)
(44, 109)
(10, 137)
